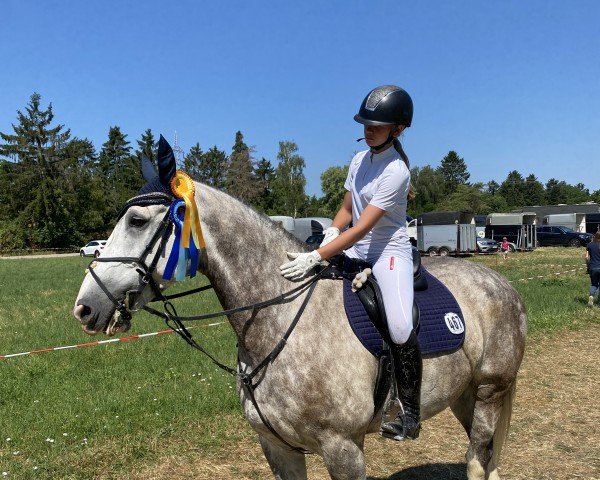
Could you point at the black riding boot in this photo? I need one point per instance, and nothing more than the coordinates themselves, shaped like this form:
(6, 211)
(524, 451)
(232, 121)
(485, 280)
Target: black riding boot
(408, 368)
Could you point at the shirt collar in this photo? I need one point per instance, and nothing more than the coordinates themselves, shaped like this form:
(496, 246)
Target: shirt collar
(385, 155)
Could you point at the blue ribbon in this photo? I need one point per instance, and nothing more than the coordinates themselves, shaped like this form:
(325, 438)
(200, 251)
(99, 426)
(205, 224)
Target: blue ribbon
(178, 259)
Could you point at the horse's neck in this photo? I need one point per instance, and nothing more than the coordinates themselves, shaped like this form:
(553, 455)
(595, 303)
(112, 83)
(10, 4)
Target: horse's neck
(243, 254)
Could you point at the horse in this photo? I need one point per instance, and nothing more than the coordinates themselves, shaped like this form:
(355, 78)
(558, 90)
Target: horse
(317, 394)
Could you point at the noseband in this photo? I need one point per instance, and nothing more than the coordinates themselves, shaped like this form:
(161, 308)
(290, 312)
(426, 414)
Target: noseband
(146, 271)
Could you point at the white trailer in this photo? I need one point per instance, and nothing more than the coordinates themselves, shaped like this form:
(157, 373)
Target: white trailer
(445, 233)
(574, 221)
(302, 228)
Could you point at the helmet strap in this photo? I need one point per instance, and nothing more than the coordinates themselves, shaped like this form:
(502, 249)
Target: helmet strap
(379, 148)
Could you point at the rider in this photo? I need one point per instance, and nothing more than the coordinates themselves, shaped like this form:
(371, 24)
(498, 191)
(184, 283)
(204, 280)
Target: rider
(378, 187)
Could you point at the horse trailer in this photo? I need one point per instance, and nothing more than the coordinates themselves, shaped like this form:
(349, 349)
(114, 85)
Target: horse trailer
(574, 221)
(444, 233)
(302, 228)
(518, 228)
(592, 222)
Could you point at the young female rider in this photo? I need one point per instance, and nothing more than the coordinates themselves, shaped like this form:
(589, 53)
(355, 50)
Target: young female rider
(377, 187)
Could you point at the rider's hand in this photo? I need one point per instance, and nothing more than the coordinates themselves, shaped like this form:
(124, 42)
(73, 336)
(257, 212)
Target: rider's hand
(330, 234)
(300, 266)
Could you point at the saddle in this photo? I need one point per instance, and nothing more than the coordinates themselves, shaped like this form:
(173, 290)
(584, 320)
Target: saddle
(370, 293)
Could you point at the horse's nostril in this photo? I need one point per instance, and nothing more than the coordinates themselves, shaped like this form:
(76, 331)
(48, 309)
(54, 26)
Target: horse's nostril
(82, 312)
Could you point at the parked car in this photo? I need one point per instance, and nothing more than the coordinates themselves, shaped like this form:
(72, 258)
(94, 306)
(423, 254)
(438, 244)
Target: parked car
(558, 235)
(487, 245)
(94, 248)
(315, 240)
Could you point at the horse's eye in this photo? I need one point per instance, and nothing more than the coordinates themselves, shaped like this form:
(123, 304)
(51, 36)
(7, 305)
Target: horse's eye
(137, 222)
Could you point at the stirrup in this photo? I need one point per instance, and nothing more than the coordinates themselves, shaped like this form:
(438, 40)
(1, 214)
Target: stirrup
(397, 430)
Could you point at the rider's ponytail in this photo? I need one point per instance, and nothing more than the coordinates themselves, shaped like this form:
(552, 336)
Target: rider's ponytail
(398, 147)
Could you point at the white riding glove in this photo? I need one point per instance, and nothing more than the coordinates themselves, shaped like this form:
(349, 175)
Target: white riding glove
(330, 234)
(360, 279)
(300, 266)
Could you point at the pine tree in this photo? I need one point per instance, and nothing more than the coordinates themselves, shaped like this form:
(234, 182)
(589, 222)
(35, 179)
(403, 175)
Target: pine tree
(513, 189)
(264, 173)
(289, 181)
(33, 173)
(121, 170)
(207, 167)
(533, 191)
(241, 181)
(454, 171)
(192, 163)
(146, 147)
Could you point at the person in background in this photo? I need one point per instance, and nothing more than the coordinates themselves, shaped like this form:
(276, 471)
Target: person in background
(377, 192)
(504, 247)
(592, 258)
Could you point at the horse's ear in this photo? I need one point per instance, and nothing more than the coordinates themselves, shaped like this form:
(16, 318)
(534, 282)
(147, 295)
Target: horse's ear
(148, 170)
(166, 161)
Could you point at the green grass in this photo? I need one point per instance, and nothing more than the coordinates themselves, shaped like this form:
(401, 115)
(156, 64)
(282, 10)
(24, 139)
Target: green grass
(121, 405)
(126, 395)
(554, 301)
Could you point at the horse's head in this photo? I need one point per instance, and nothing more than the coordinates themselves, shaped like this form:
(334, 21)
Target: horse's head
(129, 273)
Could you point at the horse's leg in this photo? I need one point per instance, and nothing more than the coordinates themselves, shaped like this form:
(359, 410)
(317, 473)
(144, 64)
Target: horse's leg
(286, 464)
(344, 458)
(462, 408)
(491, 403)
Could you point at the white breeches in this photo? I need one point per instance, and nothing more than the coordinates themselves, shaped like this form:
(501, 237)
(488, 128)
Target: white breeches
(395, 278)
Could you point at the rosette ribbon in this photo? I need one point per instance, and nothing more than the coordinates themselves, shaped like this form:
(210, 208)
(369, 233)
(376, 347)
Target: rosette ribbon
(178, 259)
(188, 232)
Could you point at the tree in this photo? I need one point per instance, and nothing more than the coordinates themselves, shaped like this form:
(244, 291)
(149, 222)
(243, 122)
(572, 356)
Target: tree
(468, 198)
(33, 173)
(289, 181)
(147, 147)
(454, 171)
(264, 172)
(512, 189)
(121, 171)
(428, 184)
(206, 167)
(332, 185)
(492, 187)
(193, 163)
(241, 181)
(239, 146)
(533, 191)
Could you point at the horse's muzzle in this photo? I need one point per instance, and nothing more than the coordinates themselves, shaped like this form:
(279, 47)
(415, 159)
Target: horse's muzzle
(92, 324)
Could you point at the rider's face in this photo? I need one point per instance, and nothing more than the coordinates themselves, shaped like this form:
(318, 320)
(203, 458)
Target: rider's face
(377, 134)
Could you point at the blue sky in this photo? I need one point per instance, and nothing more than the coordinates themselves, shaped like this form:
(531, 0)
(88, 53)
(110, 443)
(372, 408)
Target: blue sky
(509, 85)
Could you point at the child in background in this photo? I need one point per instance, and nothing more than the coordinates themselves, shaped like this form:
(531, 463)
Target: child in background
(504, 247)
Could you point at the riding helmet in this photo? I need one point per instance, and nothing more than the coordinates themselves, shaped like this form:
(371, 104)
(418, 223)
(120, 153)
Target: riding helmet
(386, 105)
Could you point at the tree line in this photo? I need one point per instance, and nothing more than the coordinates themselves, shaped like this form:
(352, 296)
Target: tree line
(58, 191)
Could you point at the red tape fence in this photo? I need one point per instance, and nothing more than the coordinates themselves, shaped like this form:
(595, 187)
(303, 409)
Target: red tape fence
(103, 342)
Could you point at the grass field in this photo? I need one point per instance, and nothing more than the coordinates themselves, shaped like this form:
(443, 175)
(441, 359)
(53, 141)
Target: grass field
(111, 410)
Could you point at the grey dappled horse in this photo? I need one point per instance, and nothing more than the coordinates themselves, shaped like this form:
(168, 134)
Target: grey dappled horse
(318, 393)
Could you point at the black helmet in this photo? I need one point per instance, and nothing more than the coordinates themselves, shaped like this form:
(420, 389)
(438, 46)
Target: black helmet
(386, 105)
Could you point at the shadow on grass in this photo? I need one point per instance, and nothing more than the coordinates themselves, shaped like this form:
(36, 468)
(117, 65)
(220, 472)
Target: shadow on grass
(432, 471)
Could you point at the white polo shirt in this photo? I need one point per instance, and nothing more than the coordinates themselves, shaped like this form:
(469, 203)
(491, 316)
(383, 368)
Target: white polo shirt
(382, 180)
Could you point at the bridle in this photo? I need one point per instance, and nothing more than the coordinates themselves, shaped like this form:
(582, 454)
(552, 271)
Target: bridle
(146, 271)
(175, 322)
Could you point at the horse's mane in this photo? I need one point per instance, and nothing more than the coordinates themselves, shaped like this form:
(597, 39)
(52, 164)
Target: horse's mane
(252, 215)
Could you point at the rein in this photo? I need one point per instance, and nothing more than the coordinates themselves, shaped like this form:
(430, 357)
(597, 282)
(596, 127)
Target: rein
(175, 322)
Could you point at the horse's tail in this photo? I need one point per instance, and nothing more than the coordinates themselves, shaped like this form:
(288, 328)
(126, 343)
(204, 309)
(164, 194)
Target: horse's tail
(503, 425)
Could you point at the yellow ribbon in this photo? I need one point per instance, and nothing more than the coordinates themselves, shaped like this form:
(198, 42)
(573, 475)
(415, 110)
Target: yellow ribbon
(183, 187)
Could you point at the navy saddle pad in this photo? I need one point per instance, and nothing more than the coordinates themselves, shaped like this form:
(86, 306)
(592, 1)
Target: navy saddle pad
(442, 327)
